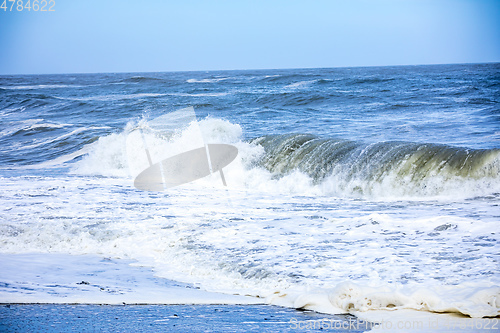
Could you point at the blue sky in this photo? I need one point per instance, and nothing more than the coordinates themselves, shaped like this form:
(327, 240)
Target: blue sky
(91, 36)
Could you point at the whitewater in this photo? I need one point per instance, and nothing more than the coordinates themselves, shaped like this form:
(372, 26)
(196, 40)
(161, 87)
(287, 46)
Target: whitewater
(371, 191)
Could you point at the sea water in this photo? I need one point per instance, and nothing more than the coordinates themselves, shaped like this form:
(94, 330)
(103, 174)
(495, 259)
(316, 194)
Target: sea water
(354, 190)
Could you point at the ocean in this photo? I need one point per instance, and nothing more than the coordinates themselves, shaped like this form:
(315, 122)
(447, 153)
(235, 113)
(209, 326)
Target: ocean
(355, 190)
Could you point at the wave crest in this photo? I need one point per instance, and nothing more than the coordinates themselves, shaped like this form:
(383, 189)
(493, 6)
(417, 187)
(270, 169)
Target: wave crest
(382, 169)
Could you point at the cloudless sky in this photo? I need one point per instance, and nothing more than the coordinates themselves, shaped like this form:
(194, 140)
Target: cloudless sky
(95, 36)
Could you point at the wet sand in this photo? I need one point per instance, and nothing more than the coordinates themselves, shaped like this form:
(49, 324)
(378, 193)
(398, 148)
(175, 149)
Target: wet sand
(168, 318)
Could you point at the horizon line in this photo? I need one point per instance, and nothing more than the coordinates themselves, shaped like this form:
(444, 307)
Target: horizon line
(253, 69)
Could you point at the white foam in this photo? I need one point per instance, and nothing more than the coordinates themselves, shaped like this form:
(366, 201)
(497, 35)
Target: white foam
(299, 84)
(422, 321)
(190, 235)
(123, 154)
(349, 297)
(213, 80)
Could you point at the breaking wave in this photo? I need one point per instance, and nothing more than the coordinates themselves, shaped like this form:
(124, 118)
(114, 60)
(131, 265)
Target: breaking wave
(382, 169)
(304, 163)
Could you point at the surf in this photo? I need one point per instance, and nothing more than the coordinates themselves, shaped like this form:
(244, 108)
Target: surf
(390, 168)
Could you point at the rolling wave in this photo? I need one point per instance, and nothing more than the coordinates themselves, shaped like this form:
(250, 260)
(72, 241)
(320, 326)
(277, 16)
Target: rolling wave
(138, 79)
(398, 168)
(37, 141)
(39, 86)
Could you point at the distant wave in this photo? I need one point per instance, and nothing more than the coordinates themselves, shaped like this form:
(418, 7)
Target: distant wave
(140, 79)
(289, 98)
(372, 80)
(213, 80)
(35, 141)
(39, 128)
(112, 97)
(40, 86)
(300, 84)
(214, 94)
